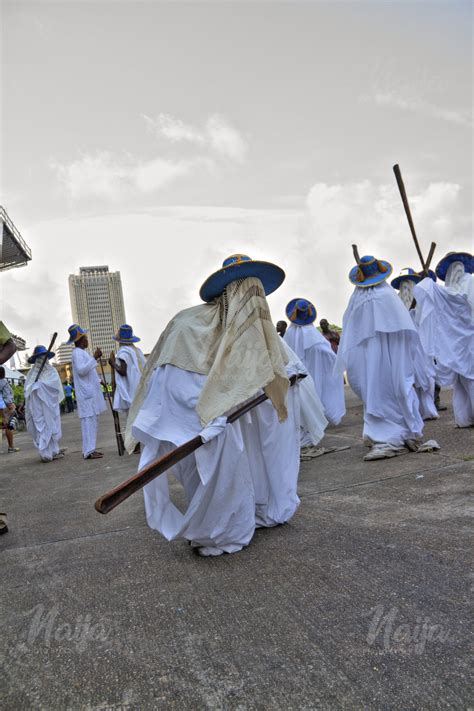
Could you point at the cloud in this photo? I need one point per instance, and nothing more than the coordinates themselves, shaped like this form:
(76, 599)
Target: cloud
(417, 105)
(175, 248)
(217, 134)
(105, 176)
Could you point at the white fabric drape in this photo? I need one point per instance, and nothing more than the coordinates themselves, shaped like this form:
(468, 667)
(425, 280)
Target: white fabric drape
(126, 385)
(318, 357)
(42, 400)
(446, 328)
(244, 477)
(377, 349)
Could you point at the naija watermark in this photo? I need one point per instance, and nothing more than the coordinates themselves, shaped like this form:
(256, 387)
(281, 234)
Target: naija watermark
(47, 627)
(395, 635)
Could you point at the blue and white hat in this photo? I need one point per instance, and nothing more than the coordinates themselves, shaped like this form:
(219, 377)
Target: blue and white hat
(464, 257)
(240, 266)
(40, 351)
(370, 272)
(301, 312)
(76, 332)
(409, 274)
(125, 335)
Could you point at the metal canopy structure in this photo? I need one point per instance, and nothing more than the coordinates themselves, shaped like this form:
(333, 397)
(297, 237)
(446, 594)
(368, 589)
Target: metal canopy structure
(14, 252)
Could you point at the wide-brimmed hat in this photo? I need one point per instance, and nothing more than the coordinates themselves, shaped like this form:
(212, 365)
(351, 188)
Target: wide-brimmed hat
(301, 312)
(240, 266)
(370, 272)
(409, 274)
(76, 332)
(451, 257)
(125, 335)
(39, 351)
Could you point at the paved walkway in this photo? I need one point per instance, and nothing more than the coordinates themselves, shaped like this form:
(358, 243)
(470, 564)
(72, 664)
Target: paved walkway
(360, 602)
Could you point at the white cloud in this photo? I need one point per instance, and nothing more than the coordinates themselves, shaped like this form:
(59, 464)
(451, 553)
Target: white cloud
(103, 175)
(217, 134)
(417, 105)
(176, 247)
(174, 129)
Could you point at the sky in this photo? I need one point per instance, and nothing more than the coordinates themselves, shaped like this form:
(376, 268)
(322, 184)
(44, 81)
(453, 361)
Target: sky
(161, 137)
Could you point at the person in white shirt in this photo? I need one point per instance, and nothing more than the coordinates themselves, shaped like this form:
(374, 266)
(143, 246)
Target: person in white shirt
(89, 398)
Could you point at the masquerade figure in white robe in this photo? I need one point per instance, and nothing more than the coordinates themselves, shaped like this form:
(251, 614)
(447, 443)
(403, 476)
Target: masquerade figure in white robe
(444, 317)
(423, 363)
(42, 398)
(378, 348)
(128, 364)
(209, 360)
(318, 357)
(89, 398)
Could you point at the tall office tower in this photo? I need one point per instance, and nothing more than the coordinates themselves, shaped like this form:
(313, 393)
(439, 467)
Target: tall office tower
(97, 304)
(64, 353)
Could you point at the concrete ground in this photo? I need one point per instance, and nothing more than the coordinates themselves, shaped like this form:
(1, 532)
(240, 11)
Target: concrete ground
(360, 602)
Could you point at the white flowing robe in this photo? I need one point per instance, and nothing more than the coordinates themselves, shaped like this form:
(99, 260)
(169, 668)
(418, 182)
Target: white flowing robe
(425, 379)
(244, 477)
(126, 385)
(378, 348)
(89, 397)
(446, 328)
(43, 420)
(318, 357)
(312, 420)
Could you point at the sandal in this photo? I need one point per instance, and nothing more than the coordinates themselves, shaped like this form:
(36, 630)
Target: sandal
(94, 455)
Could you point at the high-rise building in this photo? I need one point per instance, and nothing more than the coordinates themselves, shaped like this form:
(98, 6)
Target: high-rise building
(97, 304)
(63, 353)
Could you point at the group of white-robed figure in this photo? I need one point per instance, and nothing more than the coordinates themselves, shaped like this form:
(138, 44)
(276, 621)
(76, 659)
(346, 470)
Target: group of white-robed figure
(44, 394)
(212, 358)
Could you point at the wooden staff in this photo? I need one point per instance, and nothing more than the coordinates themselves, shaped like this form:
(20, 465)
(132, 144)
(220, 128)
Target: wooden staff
(403, 194)
(55, 335)
(116, 496)
(118, 433)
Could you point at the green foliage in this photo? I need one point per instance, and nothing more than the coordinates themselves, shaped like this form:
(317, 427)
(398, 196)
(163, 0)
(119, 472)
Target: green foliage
(18, 394)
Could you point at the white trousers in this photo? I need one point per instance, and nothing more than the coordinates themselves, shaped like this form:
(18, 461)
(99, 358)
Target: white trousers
(463, 401)
(89, 426)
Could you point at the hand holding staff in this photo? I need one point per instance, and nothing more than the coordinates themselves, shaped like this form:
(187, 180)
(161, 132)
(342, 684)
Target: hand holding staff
(115, 415)
(55, 335)
(113, 498)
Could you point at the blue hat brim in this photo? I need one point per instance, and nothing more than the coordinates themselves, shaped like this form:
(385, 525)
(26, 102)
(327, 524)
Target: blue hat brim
(32, 359)
(373, 280)
(308, 320)
(445, 263)
(82, 332)
(269, 274)
(416, 278)
(134, 339)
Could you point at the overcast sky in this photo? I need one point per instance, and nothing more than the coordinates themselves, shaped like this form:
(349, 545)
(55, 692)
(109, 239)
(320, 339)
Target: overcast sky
(159, 138)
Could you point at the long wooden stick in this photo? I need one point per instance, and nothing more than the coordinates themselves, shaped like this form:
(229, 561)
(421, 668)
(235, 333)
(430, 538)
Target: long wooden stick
(115, 415)
(55, 335)
(355, 252)
(403, 194)
(116, 496)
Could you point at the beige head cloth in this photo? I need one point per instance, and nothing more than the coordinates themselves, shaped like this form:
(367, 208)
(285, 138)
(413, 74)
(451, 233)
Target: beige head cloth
(232, 340)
